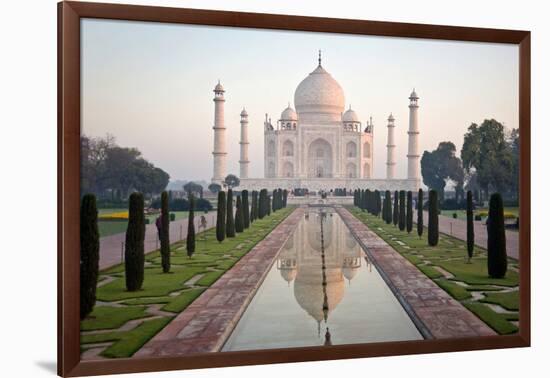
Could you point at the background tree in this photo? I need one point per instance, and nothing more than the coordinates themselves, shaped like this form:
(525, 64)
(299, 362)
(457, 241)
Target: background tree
(220, 219)
(214, 188)
(165, 233)
(230, 223)
(441, 165)
(134, 253)
(89, 254)
(497, 260)
(193, 189)
(420, 213)
(492, 155)
(470, 225)
(409, 211)
(232, 181)
(402, 207)
(190, 242)
(395, 208)
(433, 218)
(246, 209)
(239, 221)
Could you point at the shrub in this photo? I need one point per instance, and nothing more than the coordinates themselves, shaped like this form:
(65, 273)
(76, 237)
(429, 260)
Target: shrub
(469, 225)
(497, 261)
(246, 209)
(402, 215)
(190, 242)
(395, 208)
(409, 212)
(420, 213)
(164, 233)
(220, 219)
(230, 220)
(134, 253)
(89, 254)
(433, 219)
(239, 221)
(455, 215)
(172, 217)
(477, 217)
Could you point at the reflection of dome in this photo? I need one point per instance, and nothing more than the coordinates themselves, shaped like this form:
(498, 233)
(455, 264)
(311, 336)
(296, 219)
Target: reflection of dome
(289, 114)
(289, 274)
(319, 93)
(350, 272)
(350, 241)
(308, 290)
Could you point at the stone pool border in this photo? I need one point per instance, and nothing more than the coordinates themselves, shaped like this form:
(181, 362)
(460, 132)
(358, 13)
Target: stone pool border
(206, 324)
(434, 312)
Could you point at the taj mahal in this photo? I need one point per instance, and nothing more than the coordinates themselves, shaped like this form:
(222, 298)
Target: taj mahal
(319, 145)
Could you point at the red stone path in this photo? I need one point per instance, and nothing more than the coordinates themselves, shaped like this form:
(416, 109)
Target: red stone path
(429, 306)
(111, 247)
(457, 229)
(209, 320)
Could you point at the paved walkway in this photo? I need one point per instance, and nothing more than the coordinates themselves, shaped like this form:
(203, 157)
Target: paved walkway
(209, 320)
(436, 314)
(457, 228)
(111, 248)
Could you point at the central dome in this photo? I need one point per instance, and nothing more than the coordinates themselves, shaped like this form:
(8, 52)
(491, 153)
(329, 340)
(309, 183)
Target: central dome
(319, 93)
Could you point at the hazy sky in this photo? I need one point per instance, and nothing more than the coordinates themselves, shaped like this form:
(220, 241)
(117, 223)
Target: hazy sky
(150, 85)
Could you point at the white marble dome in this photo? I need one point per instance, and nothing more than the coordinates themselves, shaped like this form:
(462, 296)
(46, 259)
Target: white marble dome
(319, 93)
(289, 114)
(350, 116)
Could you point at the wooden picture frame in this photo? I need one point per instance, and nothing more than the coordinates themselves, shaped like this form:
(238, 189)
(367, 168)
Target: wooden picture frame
(69, 96)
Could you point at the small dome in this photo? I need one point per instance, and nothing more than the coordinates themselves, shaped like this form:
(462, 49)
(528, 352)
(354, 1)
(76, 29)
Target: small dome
(413, 95)
(390, 118)
(350, 116)
(289, 114)
(219, 87)
(244, 113)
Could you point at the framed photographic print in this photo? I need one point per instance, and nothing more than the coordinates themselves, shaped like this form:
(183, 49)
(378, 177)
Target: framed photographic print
(240, 188)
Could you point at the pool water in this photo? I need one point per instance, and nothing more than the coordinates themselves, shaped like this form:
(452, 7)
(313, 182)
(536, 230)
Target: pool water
(300, 303)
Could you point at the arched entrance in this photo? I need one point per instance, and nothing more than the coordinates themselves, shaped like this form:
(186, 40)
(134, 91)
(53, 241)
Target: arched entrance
(319, 159)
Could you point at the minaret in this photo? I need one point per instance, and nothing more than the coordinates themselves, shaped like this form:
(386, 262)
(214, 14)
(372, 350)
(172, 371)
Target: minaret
(244, 145)
(390, 162)
(413, 171)
(220, 155)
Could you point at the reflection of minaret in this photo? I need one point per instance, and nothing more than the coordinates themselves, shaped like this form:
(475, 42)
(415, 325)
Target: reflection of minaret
(413, 155)
(328, 341)
(244, 145)
(390, 162)
(220, 155)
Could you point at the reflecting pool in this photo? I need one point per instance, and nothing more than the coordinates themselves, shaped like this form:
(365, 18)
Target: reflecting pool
(321, 290)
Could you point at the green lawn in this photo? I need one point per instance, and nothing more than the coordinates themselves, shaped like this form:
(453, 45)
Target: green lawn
(170, 292)
(461, 214)
(450, 255)
(107, 228)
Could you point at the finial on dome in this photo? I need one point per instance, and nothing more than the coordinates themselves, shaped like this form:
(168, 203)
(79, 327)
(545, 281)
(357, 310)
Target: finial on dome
(319, 58)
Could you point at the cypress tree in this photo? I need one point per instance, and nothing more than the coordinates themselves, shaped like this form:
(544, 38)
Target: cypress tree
(395, 208)
(387, 200)
(497, 261)
(165, 233)
(274, 203)
(285, 197)
(190, 242)
(134, 253)
(368, 205)
(420, 213)
(262, 208)
(433, 219)
(230, 216)
(402, 215)
(364, 200)
(220, 220)
(378, 203)
(268, 205)
(469, 225)
(239, 221)
(89, 254)
(246, 209)
(409, 211)
(254, 207)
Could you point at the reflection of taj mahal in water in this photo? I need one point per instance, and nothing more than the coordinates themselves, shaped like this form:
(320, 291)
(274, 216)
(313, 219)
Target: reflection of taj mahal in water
(319, 290)
(320, 145)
